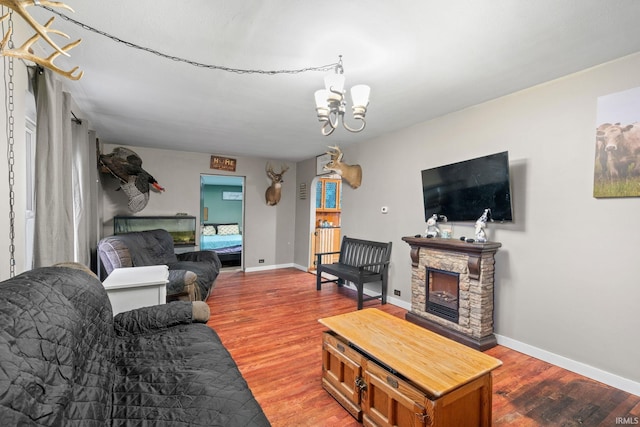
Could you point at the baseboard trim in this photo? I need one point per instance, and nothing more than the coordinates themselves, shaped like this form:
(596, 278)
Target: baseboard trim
(268, 267)
(597, 374)
(390, 299)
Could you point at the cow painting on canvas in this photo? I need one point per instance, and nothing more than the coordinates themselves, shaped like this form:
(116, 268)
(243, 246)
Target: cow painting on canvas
(617, 145)
(620, 146)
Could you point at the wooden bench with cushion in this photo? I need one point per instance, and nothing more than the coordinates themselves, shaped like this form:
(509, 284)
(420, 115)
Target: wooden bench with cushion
(360, 262)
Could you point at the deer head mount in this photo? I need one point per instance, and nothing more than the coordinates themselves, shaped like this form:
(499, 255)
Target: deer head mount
(350, 173)
(274, 191)
(42, 32)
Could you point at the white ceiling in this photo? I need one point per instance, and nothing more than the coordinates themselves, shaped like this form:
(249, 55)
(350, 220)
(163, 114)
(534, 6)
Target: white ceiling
(422, 59)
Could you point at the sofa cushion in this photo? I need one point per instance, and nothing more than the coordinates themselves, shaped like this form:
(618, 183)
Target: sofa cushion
(153, 247)
(199, 384)
(56, 349)
(66, 361)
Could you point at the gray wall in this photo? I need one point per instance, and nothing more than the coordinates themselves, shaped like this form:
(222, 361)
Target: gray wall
(567, 274)
(268, 230)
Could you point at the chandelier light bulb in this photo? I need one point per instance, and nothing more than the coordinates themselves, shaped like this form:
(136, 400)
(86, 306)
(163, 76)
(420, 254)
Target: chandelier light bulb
(321, 99)
(360, 95)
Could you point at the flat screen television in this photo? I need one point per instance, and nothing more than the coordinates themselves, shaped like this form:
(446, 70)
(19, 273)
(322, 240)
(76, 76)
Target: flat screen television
(462, 191)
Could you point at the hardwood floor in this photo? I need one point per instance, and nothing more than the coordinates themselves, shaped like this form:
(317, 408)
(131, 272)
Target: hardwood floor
(268, 321)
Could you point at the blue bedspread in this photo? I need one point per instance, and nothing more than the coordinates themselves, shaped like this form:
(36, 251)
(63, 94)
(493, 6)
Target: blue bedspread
(218, 242)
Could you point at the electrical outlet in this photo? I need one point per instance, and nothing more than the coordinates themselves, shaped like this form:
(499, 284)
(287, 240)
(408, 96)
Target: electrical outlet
(260, 261)
(396, 292)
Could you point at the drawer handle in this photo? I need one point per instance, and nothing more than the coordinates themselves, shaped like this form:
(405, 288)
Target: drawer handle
(340, 348)
(424, 418)
(361, 384)
(392, 381)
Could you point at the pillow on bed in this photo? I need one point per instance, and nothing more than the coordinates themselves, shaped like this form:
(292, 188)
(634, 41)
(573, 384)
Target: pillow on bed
(227, 229)
(208, 230)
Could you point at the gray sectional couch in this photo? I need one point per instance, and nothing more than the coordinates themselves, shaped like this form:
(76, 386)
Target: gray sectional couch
(66, 361)
(192, 275)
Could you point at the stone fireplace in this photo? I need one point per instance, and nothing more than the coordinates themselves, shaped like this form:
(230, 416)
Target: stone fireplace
(452, 289)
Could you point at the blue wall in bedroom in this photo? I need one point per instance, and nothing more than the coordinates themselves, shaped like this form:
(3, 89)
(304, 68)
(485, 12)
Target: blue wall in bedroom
(222, 211)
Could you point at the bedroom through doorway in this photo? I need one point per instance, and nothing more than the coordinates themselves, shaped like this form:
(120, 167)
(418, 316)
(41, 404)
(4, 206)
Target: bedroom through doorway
(222, 218)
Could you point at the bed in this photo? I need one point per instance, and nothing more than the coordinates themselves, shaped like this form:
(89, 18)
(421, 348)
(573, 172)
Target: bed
(225, 240)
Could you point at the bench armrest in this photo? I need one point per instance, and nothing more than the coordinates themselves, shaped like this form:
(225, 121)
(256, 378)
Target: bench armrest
(327, 253)
(319, 259)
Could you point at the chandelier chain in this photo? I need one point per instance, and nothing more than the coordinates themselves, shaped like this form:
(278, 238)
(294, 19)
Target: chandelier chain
(188, 61)
(10, 126)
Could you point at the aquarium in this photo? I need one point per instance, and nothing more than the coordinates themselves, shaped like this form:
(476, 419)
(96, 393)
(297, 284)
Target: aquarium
(181, 227)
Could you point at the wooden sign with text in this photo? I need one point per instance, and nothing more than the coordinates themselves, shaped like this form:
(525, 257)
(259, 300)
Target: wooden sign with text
(223, 163)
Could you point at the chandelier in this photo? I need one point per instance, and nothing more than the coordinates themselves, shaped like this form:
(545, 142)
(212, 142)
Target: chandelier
(331, 104)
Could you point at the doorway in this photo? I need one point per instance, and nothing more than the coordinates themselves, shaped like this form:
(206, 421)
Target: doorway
(222, 218)
(326, 211)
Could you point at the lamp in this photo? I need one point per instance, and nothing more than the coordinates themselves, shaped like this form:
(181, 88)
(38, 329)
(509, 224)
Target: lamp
(331, 104)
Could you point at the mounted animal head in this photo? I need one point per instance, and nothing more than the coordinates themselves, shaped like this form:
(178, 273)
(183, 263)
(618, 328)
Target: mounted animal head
(350, 173)
(273, 193)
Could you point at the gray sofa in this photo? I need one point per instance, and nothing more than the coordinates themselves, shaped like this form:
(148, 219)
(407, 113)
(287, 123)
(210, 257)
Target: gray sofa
(192, 275)
(66, 361)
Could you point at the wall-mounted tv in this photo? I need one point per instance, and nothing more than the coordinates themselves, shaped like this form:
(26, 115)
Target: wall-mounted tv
(462, 191)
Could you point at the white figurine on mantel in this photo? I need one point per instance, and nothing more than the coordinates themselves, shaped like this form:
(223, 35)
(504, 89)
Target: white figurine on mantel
(432, 226)
(481, 225)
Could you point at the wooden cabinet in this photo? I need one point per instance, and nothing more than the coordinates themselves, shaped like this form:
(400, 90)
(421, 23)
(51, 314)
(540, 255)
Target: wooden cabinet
(328, 202)
(328, 195)
(391, 373)
(327, 236)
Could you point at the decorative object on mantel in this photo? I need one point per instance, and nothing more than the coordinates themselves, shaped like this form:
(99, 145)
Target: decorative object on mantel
(432, 225)
(126, 166)
(42, 32)
(331, 104)
(350, 173)
(481, 225)
(274, 191)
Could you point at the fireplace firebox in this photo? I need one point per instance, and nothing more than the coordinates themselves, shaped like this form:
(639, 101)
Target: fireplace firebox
(442, 294)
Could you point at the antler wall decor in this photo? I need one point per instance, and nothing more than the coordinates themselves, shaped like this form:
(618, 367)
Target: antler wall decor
(42, 31)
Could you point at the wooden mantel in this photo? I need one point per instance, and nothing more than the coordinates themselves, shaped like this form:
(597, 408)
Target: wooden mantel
(473, 250)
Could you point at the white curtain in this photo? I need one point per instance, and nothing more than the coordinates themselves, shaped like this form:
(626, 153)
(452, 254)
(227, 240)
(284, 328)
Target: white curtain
(65, 199)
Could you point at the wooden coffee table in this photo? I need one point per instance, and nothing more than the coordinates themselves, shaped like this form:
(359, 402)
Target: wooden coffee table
(389, 372)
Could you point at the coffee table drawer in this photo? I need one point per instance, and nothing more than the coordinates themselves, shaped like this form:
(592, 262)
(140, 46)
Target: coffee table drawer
(342, 371)
(390, 401)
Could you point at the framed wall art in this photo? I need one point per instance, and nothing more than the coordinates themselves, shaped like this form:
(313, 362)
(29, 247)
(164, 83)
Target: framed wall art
(617, 145)
(232, 195)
